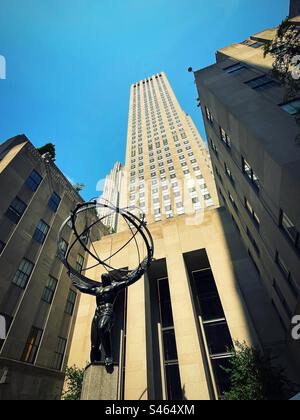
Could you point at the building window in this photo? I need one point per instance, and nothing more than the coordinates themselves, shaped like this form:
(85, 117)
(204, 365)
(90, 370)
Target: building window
(41, 232)
(49, 290)
(287, 275)
(214, 148)
(2, 246)
(236, 68)
(209, 115)
(79, 263)
(232, 200)
(172, 375)
(229, 174)
(71, 302)
(257, 44)
(59, 353)
(32, 345)
(248, 171)
(252, 213)
(262, 83)
(282, 300)
(217, 334)
(23, 273)
(63, 247)
(16, 210)
(289, 228)
(54, 202)
(225, 138)
(7, 324)
(208, 296)
(253, 241)
(253, 44)
(34, 180)
(291, 107)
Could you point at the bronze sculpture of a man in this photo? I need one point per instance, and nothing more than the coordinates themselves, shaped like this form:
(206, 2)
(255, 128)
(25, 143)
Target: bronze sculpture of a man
(106, 294)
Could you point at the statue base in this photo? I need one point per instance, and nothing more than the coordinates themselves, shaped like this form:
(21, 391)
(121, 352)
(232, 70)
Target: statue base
(100, 383)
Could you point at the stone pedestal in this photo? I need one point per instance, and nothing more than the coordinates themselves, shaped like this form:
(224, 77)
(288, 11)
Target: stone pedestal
(100, 383)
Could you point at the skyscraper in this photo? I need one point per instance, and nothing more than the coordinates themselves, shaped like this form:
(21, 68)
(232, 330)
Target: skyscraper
(202, 292)
(253, 140)
(111, 193)
(166, 161)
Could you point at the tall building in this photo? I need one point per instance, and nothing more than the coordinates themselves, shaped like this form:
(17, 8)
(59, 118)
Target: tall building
(252, 136)
(167, 162)
(111, 193)
(202, 292)
(37, 299)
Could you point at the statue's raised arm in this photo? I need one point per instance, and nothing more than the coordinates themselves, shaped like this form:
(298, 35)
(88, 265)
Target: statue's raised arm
(134, 275)
(83, 284)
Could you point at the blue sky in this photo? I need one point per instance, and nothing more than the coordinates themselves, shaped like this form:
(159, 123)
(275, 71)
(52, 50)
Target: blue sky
(70, 64)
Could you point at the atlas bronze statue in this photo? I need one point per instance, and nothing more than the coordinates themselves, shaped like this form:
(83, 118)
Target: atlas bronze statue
(112, 282)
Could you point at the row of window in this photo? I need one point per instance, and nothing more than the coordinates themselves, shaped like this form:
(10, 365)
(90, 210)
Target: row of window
(289, 229)
(246, 167)
(261, 83)
(22, 277)
(292, 285)
(253, 44)
(17, 208)
(285, 223)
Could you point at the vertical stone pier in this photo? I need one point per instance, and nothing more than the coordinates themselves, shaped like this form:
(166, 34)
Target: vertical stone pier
(100, 383)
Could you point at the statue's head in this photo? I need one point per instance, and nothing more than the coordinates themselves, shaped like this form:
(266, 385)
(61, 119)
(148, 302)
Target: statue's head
(106, 280)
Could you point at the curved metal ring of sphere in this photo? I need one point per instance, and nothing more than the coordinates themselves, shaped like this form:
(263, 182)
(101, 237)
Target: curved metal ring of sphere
(133, 222)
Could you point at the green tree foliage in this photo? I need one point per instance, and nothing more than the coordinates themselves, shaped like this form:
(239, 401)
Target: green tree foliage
(79, 186)
(253, 377)
(49, 150)
(74, 380)
(285, 50)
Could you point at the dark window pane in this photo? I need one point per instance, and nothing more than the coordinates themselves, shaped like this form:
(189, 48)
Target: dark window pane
(32, 345)
(262, 83)
(211, 308)
(207, 292)
(16, 210)
(236, 68)
(291, 107)
(63, 247)
(8, 321)
(54, 202)
(218, 337)
(79, 263)
(34, 180)
(59, 353)
(170, 348)
(41, 232)
(222, 378)
(23, 273)
(49, 290)
(205, 282)
(174, 390)
(289, 227)
(165, 304)
(71, 302)
(167, 315)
